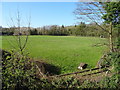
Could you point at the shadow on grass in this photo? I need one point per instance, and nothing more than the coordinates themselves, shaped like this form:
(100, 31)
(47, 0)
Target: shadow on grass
(48, 69)
(52, 69)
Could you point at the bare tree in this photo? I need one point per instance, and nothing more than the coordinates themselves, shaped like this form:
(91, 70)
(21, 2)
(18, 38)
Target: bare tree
(20, 38)
(93, 12)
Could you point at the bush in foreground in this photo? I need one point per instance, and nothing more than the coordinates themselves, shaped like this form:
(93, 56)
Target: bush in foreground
(17, 72)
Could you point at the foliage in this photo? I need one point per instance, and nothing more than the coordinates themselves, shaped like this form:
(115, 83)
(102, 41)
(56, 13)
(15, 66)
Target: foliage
(7, 31)
(33, 32)
(112, 17)
(113, 60)
(76, 83)
(116, 61)
(89, 84)
(118, 36)
(112, 12)
(110, 82)
(18, 72)
(81, 29)
(67, 83)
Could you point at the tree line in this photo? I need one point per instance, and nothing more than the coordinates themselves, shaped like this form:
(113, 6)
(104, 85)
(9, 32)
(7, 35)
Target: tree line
(81, 29)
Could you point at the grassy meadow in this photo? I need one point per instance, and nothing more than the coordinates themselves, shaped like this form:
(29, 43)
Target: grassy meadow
(65, 52)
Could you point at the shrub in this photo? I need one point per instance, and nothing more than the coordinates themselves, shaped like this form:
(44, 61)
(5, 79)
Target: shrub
(69, 82)
(18, 72)
(110, 82)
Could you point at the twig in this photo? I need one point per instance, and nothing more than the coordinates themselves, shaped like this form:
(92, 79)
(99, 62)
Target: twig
(40, 73)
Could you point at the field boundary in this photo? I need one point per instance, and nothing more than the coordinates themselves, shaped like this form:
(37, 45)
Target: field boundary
(102, 69)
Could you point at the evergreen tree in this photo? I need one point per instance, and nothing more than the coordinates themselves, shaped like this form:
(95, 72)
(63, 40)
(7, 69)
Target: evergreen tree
(113, 16)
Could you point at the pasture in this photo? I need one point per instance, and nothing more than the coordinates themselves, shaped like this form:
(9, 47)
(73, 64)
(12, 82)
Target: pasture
(65, 52)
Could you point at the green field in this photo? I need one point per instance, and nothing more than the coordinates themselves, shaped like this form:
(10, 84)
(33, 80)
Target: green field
(63, 51)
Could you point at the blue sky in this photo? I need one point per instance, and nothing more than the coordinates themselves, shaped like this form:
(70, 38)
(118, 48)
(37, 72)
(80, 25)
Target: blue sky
(42, 13)
(41, 0)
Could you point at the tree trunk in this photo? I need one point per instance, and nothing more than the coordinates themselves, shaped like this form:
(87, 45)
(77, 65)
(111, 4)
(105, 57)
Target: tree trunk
(110, 38)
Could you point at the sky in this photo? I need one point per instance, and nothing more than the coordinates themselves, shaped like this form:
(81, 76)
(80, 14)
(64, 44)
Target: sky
(41, 0)
(41, 13)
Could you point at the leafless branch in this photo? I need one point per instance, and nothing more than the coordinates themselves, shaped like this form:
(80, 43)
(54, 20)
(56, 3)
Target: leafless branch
(19, 38)
(29, 23)
(91, 10)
